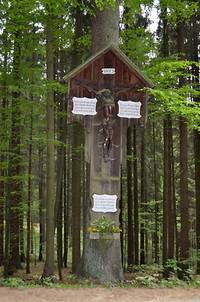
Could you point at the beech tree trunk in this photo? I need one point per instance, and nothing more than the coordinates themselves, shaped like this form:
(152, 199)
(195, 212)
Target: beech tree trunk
(102, 258)
(105, 28)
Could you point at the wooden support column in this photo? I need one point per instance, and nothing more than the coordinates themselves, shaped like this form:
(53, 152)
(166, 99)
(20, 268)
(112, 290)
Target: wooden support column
(102, 259)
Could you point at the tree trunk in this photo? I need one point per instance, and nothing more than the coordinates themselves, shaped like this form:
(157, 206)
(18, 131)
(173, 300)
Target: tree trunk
(50, 197)
(135, 198)
(194, 50)
(102, 258)
(184, 203)
(130, 196)
(29, 196)
(76, 158)
(2, 152)
(2, 203)
(121, 224)
(155, 179)
(42, 207)
(105, 28)
(67, 169)
(143, 199)
(168, 201)
(14, 171)
(76, 195)
(165, 195)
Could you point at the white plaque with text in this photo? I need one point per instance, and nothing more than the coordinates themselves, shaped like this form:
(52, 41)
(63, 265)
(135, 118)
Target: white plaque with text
(108, 70)
(84, 106)
(104, 203)
(129, 109)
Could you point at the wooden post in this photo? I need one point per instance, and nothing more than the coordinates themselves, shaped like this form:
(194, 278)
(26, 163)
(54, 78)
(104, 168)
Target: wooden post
(102, 258)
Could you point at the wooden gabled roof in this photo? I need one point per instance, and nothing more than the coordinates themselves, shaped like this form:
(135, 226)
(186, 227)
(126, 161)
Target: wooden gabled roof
(147, 82)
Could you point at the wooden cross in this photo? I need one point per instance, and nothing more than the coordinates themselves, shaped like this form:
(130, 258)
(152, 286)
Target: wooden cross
(107, 98)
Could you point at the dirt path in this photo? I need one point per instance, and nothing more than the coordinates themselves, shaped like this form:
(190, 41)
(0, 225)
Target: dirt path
(99, 295)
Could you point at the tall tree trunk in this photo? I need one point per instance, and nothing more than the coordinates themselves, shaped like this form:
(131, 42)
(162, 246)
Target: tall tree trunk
(76, 158)
(67, 169)
(165, 195)
(76, 195)
(50, 197)
(14, 171)
(130, 195)
(96, 256)
(168, 203)
(121, 224)
(143, 198)
(2, 203)
(184, 203)
(41, 196)
(29, 196)
(62, 137)
(105, 28)
(135, 198)
(195, 70)
(171, 221)
(155, 179)
(59, 183)
(2, 152)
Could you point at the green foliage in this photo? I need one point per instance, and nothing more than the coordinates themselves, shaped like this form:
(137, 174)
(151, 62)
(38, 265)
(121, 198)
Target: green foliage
(137, 44)
(137, 41)
(12, 282)
(179, 10)
(104, 225)
(102, 4)
(169, 97)
(136, 5)
(48, 281)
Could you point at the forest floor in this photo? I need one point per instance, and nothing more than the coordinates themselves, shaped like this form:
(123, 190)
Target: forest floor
(145, 284)
(98, 295)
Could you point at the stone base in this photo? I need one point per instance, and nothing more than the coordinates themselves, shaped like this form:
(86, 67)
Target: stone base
(109, 236)
(102, 257)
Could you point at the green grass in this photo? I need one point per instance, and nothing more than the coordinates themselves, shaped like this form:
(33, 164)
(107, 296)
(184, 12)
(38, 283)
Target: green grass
(137, 277)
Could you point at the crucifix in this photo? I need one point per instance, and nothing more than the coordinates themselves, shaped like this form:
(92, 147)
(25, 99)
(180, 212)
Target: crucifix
(107, 97)
(107, 93)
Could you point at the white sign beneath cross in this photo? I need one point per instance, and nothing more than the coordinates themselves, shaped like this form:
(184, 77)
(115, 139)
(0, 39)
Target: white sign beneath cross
(104, 203)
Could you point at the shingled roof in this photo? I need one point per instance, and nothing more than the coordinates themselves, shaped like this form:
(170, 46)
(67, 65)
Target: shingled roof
(120, 55)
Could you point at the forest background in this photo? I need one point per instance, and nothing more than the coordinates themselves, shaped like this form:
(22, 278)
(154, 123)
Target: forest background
(42, 169)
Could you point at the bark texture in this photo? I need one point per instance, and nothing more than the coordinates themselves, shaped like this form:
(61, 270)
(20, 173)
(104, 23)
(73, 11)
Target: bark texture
(50, 197)
(105, 28)
(184, 201)
(102, 257)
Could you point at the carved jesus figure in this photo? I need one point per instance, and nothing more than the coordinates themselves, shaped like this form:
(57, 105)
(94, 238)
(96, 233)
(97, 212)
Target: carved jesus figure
(108, 111)
(107, 99)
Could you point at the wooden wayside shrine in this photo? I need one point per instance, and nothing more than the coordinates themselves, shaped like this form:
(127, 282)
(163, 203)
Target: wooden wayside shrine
(106, 94)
